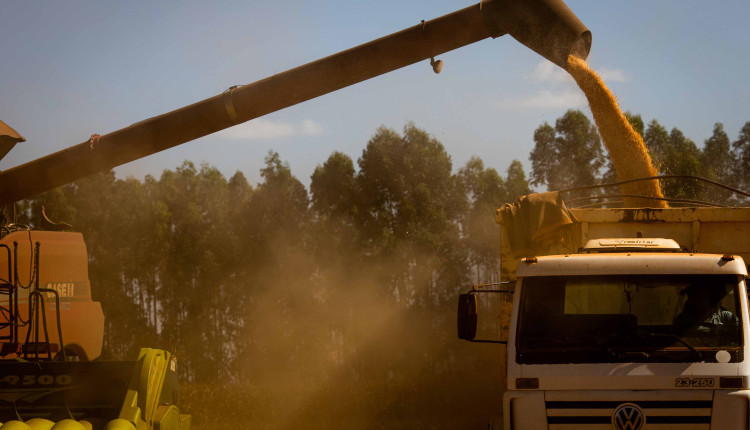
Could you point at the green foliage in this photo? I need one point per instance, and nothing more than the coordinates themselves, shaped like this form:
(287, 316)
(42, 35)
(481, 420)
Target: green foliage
(636, 121)
(516, 184)
(674, 154)
(568, 155)
(717, 163)
(277, 210)
(333, 193)
(408, 204)
(716, 158)
(741, 151)
(486, 192)
(333, 186)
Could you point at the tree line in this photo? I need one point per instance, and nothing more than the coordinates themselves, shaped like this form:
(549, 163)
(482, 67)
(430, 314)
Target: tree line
(570, 155)
(338, 301)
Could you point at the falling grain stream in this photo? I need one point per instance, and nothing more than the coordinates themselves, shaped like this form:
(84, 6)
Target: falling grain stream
(625, 146)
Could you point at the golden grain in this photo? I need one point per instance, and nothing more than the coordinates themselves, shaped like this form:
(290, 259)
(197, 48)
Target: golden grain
(625, 146)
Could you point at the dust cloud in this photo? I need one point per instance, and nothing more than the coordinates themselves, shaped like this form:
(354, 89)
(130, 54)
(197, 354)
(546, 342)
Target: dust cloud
(340, 350)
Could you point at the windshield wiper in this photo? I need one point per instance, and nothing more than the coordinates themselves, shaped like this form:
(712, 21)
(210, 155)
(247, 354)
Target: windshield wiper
(638, 353)
(679, 340)
(547, 343)
(604, 346)
(580, 342)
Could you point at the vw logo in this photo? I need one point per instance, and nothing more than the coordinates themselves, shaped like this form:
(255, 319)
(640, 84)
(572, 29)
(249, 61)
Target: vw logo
(628, 416)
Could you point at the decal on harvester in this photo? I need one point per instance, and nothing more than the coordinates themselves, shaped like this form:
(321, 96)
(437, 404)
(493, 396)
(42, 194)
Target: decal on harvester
(14, 380)
(64, 289)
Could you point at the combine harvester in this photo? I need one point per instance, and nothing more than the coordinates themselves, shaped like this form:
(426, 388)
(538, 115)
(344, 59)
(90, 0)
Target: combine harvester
(50, 329)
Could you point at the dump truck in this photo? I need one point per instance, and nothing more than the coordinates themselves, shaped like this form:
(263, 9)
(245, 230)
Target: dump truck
(619, 318)
(51, 330)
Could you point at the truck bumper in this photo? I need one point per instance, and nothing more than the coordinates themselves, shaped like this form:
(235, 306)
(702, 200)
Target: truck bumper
(597, 410)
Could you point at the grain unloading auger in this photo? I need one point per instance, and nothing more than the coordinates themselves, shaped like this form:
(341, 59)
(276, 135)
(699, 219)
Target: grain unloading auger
(546, 26)
(50, 389)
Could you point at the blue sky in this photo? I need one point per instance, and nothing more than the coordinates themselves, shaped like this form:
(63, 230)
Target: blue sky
(70, 69)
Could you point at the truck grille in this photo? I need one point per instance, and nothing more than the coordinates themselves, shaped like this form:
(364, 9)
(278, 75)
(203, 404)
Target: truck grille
(659, 414)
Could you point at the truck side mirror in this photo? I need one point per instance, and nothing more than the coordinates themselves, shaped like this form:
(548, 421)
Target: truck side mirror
(467, 316)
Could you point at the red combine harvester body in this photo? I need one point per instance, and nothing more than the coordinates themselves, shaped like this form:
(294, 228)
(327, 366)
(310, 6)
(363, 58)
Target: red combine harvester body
(62, 266)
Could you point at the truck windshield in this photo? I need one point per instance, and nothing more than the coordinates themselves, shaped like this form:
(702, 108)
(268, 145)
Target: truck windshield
(629, 318)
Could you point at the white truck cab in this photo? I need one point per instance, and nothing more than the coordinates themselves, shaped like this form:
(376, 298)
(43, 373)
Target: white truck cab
(627, 333)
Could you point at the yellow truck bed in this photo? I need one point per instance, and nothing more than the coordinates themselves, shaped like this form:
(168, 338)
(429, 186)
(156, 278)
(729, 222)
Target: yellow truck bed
(703, 229)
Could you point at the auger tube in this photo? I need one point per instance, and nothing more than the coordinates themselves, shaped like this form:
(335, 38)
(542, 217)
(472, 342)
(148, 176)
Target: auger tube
(546, 26)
